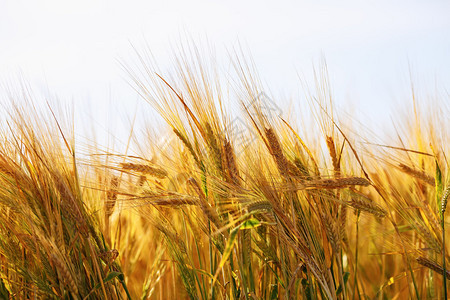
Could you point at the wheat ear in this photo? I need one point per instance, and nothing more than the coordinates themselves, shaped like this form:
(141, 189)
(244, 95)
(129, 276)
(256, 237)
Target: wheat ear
(368, 207)
(432, 266)
(277, 152)
(417, 174)
(145, 169)
(64, 274)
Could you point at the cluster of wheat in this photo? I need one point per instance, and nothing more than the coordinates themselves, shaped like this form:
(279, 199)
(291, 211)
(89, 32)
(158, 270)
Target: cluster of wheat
(276, 213)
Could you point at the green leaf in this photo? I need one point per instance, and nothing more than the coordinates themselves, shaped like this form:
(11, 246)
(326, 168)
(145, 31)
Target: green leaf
(273, 291)
(339, 290)
(109, 277)
(227, 252)
(306, 288)
(231, 241)
(252, 223)
(4, 293)
(439, 184)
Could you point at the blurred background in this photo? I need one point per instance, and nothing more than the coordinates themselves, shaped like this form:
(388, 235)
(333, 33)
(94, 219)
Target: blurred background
(71, 51)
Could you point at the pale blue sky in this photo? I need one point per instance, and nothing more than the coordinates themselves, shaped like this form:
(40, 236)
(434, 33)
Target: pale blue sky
(72, 47)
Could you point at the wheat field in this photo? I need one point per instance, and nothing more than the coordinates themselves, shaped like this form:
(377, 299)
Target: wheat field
(237, 204)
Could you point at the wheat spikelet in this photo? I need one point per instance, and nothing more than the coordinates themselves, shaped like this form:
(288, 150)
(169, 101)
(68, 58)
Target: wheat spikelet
(294, 171)
(431, 216)
(214, 147)
(111, 196)
(230, 162)
(246, 239)
(141, 181)
(188, 145)
(277, 152)
(55, 232)
(194, 184)
(70, 206)
(234, 178)
(268, 251)
(417, 174)
(332, 151)
(312, 265)
(64, 274)
(301, 167)
(210, 213)
(259, 205)
(96, 238)
(145, 169)
(336, 183)
(331, 231)
(60, 237)
(427, 236)
(29, 240)
(60, 241)
(174, 201)
(184, 140)
(263, 207)
(297, 243)
(6, 171)
(432, 266)
(171, 235)
(367, 206)
(444, 200)
(343, 223)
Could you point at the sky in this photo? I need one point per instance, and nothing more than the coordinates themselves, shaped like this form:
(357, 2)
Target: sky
(72, 49)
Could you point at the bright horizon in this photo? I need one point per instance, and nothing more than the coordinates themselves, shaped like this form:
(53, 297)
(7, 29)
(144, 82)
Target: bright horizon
(72, 50)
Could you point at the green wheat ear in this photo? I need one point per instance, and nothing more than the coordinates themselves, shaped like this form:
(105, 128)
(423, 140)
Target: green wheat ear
(444, 200)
